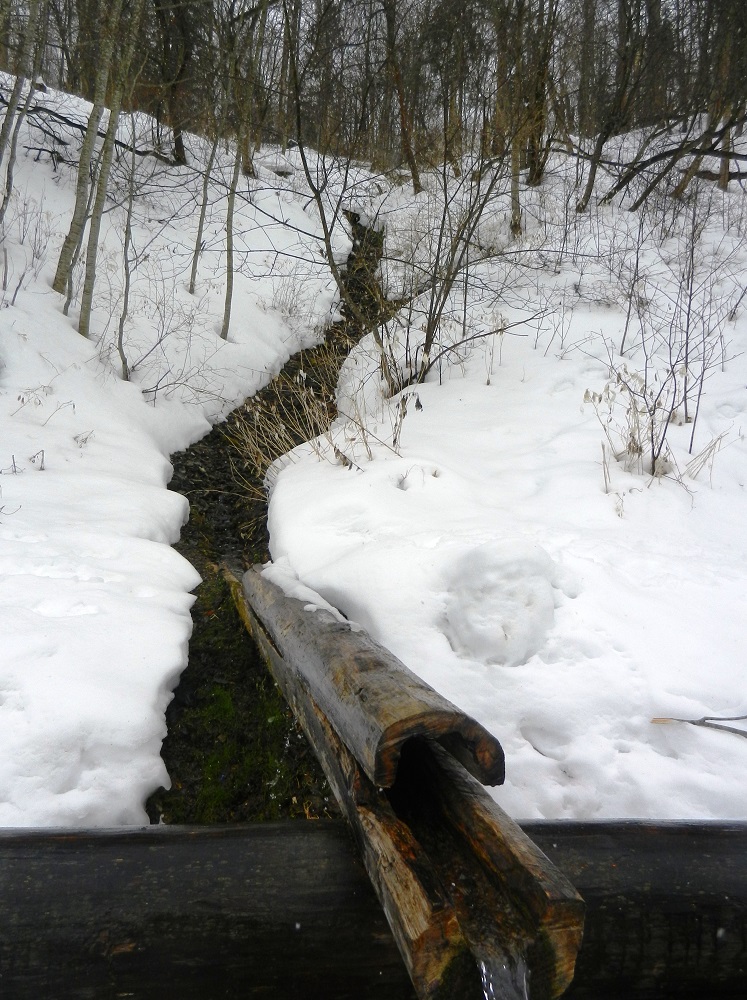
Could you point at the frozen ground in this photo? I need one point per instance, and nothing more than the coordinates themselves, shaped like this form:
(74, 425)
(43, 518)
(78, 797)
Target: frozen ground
(560, 594)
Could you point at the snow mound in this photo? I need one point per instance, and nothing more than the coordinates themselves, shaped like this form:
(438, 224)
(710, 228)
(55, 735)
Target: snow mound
(501, 603)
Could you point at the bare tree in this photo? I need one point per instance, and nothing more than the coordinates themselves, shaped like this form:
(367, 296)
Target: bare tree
(121, 79)
(107, 36)
(390, 14)
(23, 71)
(628, 66)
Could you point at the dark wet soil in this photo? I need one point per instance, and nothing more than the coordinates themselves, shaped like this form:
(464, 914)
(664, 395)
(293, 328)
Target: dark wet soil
(233, 751)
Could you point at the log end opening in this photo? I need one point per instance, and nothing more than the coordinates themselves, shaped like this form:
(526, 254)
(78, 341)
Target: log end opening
(477, 750)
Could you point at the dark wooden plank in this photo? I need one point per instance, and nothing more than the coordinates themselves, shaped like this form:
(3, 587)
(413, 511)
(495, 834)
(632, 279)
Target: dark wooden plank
(267, 910)
(205, 912)
(374, 703)
(666, 907)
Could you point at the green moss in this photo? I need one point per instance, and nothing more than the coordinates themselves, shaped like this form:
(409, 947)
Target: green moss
(234, 751)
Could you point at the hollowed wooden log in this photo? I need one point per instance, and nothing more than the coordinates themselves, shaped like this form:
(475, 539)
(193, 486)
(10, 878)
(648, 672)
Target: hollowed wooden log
(365, 714)
(371, 699)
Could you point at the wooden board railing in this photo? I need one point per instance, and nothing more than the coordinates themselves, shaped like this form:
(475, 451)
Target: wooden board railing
(286, 910)
(266, 910)
(666, 907)
(473, 905)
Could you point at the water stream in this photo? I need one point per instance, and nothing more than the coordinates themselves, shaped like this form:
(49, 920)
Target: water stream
(504, 978)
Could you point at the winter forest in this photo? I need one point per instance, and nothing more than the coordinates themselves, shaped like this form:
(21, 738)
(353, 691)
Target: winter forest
(519, 228)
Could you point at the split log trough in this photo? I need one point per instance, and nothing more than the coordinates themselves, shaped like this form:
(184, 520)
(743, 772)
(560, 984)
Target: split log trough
(471, 902)
(469, 905)
(476, 907)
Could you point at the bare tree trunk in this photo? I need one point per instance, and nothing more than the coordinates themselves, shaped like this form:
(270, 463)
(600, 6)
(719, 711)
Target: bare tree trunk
(133, 26)
(628, 77)
(9, 170)
(283, 117)
(20, 116)
(177, 50)
(693, 168)
(588, 122)
(84, 323)
(723, 179)
(396, 74)
(24, 67)
(518, 114)
(203, 211)
(515, 177)
(229, 239)
(593, 165)
(77, 223)
(538, 140)
(4, 18)
(70, 287)
(291, 31)
(126, 262)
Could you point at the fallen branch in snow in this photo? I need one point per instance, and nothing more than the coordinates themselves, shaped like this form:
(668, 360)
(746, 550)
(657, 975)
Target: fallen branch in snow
(709, 722)
(41, 112)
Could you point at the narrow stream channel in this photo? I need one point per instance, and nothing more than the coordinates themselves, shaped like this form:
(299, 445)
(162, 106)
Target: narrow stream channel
(234, 751)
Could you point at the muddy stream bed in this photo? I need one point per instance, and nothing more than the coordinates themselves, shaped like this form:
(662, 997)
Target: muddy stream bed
(234, 752)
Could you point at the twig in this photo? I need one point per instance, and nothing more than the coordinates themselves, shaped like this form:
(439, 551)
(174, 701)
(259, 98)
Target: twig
(710, 722)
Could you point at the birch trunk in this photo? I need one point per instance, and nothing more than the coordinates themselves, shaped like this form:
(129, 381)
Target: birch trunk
(24, 67)
(229, 240)
(84, 324)
(515, 177)
(203, 211)
(74, 236)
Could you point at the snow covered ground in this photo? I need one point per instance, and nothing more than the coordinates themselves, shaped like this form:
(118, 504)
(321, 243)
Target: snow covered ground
(483, 528)
(94, 603)
(487, 534)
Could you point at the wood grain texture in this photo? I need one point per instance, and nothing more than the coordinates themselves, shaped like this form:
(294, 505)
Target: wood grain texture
(371, 699)
(666, 907)
(261, 910)
(505, 891)
(410, 891)
(204, 912)
(430, 831)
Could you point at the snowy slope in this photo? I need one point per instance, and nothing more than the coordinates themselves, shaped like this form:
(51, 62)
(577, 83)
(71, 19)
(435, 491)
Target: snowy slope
(94, 603)
(561, 595)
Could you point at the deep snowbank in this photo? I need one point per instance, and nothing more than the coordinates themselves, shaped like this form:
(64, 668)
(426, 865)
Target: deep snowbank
(562, 597)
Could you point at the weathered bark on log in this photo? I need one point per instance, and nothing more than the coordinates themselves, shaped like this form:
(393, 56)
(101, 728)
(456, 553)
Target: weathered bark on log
(498, 876)
(203, 912)
(267, 910)
(472, 904)
(410, 891)
(372, 700)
